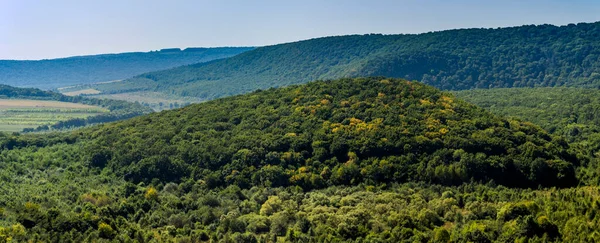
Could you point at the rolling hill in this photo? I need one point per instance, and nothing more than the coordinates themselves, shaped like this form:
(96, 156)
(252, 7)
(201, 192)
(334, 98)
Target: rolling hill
(62, 72)
(525, 56)
(364, 159)
(343, 121)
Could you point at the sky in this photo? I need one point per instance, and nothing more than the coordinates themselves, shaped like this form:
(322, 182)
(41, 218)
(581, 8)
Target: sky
(41, 29)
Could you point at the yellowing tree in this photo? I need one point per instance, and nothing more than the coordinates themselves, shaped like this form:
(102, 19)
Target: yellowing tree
(151, 193)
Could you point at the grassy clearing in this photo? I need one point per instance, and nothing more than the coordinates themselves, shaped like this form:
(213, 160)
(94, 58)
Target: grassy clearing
(14, 128)
(8, 104)
(15, 115)
(83, 91)
(83, 87)
(148, 97)
(155, 100)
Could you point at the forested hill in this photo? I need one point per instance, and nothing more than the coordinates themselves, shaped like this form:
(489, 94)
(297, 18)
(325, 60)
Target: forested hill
(334, 133)
(55, 73)
(350, 160)
(7, 91)
(525, 56)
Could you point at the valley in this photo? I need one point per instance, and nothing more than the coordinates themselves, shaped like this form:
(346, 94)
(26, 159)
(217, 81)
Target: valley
(81, 92)
(35, 110)
(156, 100)
(16, 115)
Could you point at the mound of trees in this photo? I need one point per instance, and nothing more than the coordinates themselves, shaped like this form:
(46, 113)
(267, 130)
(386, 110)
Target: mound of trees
(341, 132)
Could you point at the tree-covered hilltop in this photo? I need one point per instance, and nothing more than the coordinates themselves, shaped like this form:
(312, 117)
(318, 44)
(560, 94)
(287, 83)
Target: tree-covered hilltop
(55, 73)
(339, 132)
(118, 110)
(526, 56)
(365, 159)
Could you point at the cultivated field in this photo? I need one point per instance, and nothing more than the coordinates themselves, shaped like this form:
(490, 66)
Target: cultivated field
(15, 104)
(15, 115)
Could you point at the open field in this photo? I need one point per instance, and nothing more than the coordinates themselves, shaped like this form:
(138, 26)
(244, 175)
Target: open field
(83, 91)
(11, 104)
(84, 88)
(15, 115)
(14, 128)
(155, 100)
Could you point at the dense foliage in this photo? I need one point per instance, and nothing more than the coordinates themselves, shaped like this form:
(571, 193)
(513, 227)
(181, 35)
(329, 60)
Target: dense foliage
(55, 73)
(317, 162)
(525, 56)
(190, 212)
(571, 112)
(340, 132)
(119, 110)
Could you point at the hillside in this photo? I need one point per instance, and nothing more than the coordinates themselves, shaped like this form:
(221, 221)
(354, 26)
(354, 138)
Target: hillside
(343, 127)
(323, 160)
(526, 56)
(570, 112)
(31, 109)
(62, 72)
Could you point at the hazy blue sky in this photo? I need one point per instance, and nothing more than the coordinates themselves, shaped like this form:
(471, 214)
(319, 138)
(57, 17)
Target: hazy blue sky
(57, 28)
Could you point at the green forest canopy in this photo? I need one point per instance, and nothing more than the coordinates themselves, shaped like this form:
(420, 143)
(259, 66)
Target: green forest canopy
(323, 160)
(571, 112)
(344, 126)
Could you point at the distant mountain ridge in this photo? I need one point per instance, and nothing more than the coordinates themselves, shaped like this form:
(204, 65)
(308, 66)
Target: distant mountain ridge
(61, 72)
(525, 56)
